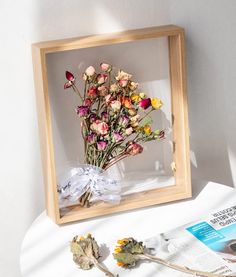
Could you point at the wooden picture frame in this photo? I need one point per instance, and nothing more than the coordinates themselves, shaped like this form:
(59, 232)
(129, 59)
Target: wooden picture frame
(182, 187)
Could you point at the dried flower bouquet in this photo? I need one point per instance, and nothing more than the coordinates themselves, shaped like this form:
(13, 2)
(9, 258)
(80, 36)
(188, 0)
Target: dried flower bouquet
(115, 117)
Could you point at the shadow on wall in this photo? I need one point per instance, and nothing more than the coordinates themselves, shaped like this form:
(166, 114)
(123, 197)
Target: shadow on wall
(211, 61)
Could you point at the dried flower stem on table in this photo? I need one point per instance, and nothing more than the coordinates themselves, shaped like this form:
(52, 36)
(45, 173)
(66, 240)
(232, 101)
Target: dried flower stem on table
(86, 254)
(129, 252)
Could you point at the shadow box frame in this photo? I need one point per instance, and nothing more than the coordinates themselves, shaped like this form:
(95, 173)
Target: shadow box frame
(179, 113)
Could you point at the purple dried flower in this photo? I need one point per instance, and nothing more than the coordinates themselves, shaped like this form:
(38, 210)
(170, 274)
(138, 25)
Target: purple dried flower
(82, 111)
(117, 137)
(91, 138)
(70, 76)
(145, 103)
(101, 145)
(124, 120)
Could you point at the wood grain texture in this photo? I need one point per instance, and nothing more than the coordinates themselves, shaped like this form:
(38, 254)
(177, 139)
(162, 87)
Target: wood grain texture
(182, 188)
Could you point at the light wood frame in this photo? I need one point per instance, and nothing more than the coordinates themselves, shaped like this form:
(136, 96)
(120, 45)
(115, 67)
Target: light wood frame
(182, 187)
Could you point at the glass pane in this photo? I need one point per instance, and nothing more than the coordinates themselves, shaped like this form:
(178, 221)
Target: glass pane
(147, 61)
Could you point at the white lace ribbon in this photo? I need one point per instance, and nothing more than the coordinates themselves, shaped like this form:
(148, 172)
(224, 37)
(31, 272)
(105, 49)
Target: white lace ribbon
(87, 177)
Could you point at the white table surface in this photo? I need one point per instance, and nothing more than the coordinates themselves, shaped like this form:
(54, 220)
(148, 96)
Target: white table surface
(45, 248)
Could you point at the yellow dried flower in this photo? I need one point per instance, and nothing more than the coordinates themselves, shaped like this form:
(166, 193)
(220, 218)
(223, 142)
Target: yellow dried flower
(122, 241)
(147, 130)
(118, 249)
(82, 238)
(120, 264)
(156, 103)
(135, 97)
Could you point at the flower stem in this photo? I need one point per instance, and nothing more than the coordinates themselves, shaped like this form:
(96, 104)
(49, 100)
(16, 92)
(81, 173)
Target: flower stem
(116, 160)
(146, 114)
(103, 269)
(77, 91)
(180, 268)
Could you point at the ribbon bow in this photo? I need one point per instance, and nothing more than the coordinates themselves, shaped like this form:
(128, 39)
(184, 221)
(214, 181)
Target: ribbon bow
(80, 179)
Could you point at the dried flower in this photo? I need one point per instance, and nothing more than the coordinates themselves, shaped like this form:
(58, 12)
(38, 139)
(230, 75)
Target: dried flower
(133, 86)
(132, 111)
(117, 137)
(90, 71)
(129, 254)
(115, 105)
(123, 76)
(100, 127)
(135, 97)
(106, 67)
(134, 149)
(131, 251)
(83, 111)
(86, 254)
(123, 120)
(126, 101)
(129, 131)
(114, 88)
(147, 130)
(87, 102)
(91, 138)
(101, 145)
(123, 83)
(102, 90)
(70, 76)
(92, 92)
(68, 85)
(156, 103)
(101, 78)
(145, 103)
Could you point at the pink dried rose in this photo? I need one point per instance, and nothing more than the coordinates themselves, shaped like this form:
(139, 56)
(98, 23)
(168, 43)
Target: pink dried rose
(123, 83)
(108, 98)
(145, 103)
(101, 78)
(134, 149)
(70, 76)
(117, 137)
(102, 90)
(101, 145)
(106, 67)
(90, 71)
(87, 102)
(100, 127)
(115, 105)
(82, 111)
(92, 92)
(91, 138)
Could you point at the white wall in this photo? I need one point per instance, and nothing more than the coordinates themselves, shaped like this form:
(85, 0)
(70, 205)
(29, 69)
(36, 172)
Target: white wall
(211, 28)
